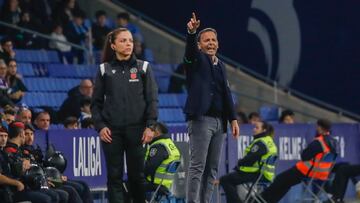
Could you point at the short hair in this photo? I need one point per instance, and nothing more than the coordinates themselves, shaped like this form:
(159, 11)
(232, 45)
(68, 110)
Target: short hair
(254, 114)
(15, 128)
(79, 14)
(5, 39)
(324, 124)
(70, 120)
(209, 29)
(10, 111)
(85, 101)
(2, 62)
(100, 13)
(123, 15)
(3, 129)
(285, 113)
(161, 127)
(42, 113)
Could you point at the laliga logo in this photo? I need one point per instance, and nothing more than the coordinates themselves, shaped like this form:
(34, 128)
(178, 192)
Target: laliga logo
(276, 25)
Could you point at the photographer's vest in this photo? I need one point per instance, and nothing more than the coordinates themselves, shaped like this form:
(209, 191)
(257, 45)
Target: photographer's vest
(160, 173)
(268, 169)
(316, 168)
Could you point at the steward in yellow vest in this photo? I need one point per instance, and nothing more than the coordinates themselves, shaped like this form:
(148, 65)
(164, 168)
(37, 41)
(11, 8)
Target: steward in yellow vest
(247, 169)
(311, 164)
(160, 153)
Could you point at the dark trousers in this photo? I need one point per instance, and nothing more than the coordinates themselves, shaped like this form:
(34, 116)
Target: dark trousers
(230, 181)
(63, 195)
(126, 140)
(82, 189)
(53, 194)
(342, 175)
(282, 184)
(33, 196)
(73, 194)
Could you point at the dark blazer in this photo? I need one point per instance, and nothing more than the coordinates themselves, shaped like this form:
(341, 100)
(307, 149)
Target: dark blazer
(199, 79)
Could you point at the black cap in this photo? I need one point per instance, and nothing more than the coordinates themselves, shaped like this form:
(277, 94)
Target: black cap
(29, 126)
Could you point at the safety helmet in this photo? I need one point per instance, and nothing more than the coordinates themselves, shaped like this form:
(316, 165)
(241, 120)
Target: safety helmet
(53, 175)
(34, 177)
(56, 160)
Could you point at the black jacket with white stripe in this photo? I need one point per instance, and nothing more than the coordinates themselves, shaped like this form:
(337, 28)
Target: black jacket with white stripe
(125, 94)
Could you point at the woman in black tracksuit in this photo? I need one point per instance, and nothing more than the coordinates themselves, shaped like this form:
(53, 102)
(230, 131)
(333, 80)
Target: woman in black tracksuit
(124, 106)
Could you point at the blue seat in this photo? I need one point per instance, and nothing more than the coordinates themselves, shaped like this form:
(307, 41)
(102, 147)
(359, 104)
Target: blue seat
(171, 115)
(163, 83)
(53, 57)
(37, 56)
(61, 70)
(168, 100)
(269, 113)
(161, 70)
(25, 69)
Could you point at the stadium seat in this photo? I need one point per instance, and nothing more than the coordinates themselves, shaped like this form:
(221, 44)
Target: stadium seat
(269, 113)
(163, 83)
(171, 115)
(25, 69)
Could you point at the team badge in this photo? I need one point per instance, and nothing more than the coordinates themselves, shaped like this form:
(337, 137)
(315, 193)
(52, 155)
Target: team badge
(133, 75)
(153, 152)
(255, 148)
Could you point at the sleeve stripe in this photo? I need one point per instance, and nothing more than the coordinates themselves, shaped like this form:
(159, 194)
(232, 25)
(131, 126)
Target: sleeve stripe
(145, 66)
(102, 69)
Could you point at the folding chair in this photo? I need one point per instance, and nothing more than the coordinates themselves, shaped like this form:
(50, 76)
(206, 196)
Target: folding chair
(315, 187)
(171, 171)
(256, 187)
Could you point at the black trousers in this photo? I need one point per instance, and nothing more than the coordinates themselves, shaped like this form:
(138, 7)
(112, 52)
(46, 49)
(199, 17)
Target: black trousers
(33, 196)
(230, 181)
(282, 184)
(342, 175)
(82, 189)
(126, 140)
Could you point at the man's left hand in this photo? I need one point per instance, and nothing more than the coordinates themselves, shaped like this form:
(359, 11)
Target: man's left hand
(235, 129)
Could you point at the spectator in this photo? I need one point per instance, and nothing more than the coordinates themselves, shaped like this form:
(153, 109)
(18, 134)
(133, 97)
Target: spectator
(9, 115)
(123, 20)
(85, 108)
(87, 123)
(71, 123)
(63, 12)
(64, 50)
(241, 117)
(141, 52)
(17, 87)
(41, 10)
(11, 14)
(287, 117)
(77, 33)
(42, 121)
(24, 115)
(254, 117)
(3, 137)
(7, 51)
(99, 29)
(4, 97)
(177, 84)
(26, 40)
(71, 106)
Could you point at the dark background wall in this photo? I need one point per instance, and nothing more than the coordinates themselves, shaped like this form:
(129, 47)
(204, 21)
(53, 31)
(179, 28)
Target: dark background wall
(329, 66)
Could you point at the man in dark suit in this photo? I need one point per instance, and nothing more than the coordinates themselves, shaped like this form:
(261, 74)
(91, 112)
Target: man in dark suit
(208, 108)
